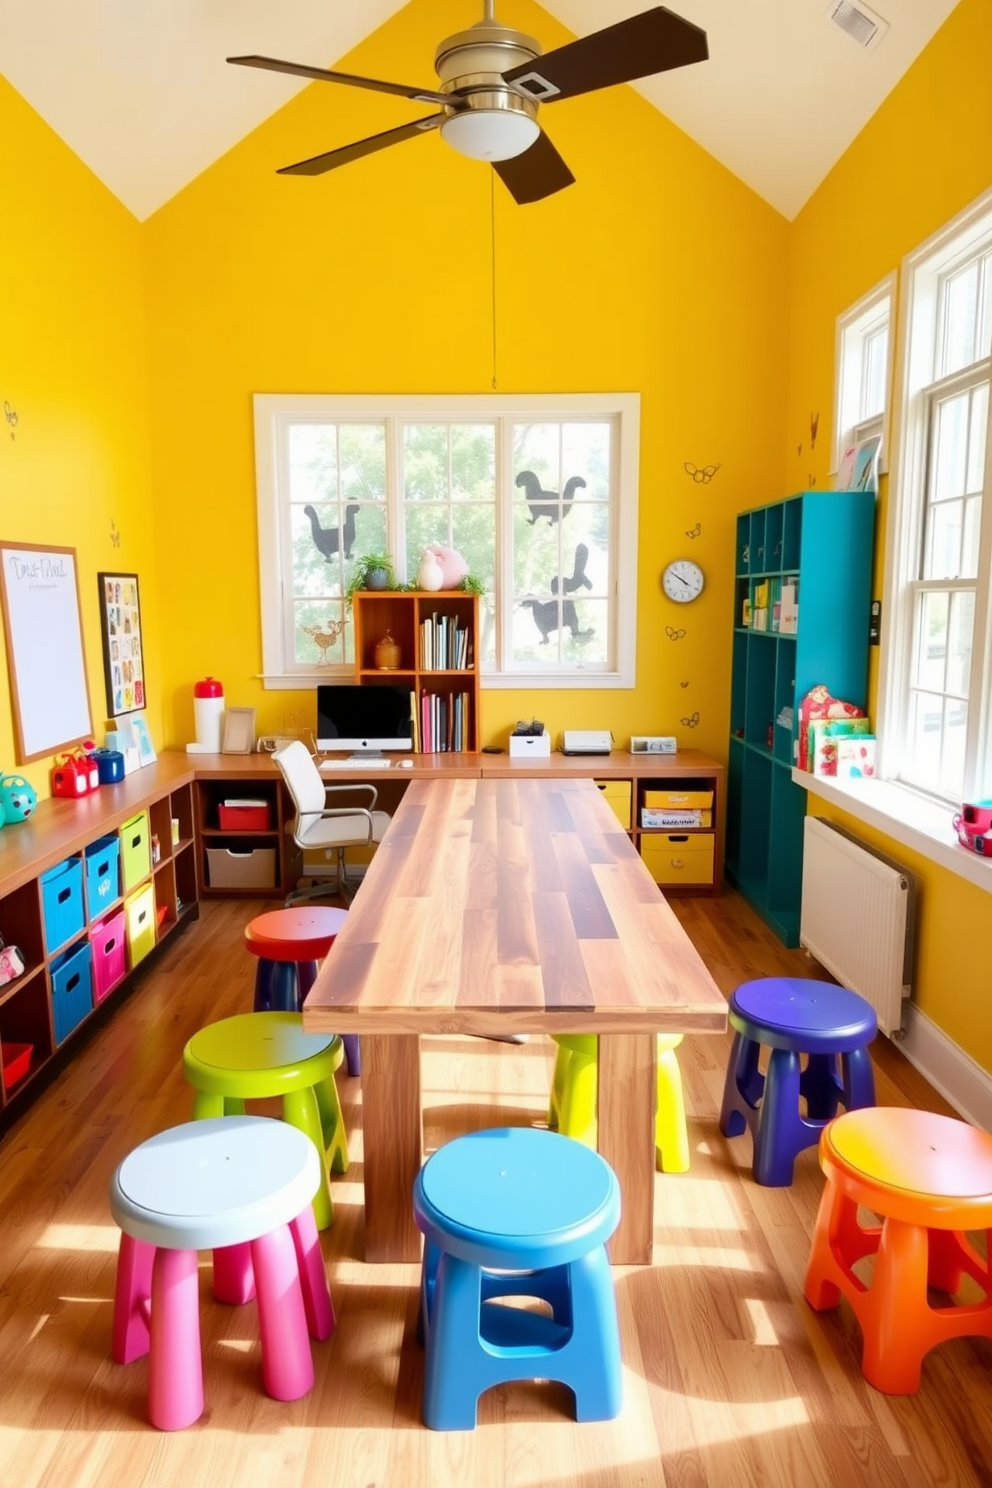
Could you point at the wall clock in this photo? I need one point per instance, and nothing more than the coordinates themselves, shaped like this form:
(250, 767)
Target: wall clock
(682, 580)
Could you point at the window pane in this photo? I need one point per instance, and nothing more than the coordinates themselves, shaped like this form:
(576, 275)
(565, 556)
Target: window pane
(944, 537)
(950, 445)
(985, 333)
(976, 439)
(473, 533)
(960, 310)
(932, 652)
(961, 630)
(873, 381)
(425, 463)
(473, 462)
(319, 635)
(926, 720)
(363, 462)
(952, 757)
(969, 546)
(313, 462)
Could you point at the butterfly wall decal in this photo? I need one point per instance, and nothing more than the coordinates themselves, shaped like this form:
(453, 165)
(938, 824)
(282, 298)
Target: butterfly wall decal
(701, 474)
(11, 416)
(115, 536)
(814, 424)
(673, 634)
(683, 684)
(691, 721)
(694, 531)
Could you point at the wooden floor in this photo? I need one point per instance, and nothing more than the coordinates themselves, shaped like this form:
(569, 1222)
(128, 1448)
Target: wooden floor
(731, 1380)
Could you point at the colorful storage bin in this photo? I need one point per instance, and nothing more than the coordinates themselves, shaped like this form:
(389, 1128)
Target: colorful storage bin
(16, 1061)
(109, 941)
(102, 875)
(139, 914)
(72, 989)
(62, 900)
(136, 857)
(243, 816)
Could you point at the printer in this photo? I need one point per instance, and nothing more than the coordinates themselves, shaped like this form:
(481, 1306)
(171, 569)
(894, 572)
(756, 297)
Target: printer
(586, 741)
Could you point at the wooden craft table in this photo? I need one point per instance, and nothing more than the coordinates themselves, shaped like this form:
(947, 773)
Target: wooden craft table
(508, 904)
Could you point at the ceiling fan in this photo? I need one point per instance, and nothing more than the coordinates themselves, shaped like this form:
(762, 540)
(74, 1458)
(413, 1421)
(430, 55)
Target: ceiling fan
(492, 79)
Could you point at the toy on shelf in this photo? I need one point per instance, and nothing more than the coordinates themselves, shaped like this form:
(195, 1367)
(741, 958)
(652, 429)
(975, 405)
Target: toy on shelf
(75, 774)
(820, 704)
(17, 798)
(973, 824)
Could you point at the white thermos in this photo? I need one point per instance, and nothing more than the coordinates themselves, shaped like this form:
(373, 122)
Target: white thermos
(208, 716)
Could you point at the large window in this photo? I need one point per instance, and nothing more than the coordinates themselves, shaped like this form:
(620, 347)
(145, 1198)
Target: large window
(864, 370)
(937, 687)
(538, 495)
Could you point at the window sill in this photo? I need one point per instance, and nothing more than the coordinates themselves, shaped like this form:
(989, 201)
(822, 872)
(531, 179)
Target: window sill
(905, 817)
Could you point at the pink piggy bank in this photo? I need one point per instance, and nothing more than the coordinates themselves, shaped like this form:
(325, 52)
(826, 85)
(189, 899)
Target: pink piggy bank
(453, 565)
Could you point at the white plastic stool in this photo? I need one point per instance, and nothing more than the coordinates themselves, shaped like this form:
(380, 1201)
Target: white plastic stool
(241, 1186)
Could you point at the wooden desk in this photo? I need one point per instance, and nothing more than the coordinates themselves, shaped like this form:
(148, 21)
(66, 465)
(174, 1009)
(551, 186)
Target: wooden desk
(508, 903)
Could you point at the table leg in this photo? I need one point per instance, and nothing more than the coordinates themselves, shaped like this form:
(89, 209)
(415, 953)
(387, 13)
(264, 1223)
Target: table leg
(393, 1141)
(627, 1102)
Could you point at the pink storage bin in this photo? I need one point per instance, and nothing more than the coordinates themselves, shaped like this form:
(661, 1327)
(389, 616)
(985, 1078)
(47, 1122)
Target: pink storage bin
(109, 941)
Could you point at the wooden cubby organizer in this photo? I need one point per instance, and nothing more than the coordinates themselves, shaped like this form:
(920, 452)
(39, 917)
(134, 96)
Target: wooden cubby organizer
(161, 897)
(802, 594)
(240, 860)
(403, 616)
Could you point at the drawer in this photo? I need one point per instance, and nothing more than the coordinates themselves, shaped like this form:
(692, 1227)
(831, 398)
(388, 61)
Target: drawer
(679, 857)
(253, 869)
(617, 793)
(673, 799)
(139, 915)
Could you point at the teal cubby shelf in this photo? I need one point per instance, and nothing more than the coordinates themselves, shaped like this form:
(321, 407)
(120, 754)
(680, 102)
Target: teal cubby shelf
(802, 595)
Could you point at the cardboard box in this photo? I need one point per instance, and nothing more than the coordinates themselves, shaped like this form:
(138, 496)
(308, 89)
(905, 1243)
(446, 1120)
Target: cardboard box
(530, 746)
(255, 869)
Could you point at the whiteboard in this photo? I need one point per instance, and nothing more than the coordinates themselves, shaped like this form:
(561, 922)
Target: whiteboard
(44, 637)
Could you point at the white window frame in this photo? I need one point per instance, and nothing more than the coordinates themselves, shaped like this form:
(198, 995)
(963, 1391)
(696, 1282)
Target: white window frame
(921, 274)
(854, 329)
(274, 412)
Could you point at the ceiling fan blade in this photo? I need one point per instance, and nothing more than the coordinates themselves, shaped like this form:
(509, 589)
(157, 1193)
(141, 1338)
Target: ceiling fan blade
(655, 41)
(537, 173)
(300, 69)
(317, 164)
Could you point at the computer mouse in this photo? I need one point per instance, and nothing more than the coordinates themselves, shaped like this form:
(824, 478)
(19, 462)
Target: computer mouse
(407, 764)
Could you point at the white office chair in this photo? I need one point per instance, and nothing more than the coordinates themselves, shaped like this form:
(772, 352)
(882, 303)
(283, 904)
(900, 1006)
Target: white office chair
(321, 828)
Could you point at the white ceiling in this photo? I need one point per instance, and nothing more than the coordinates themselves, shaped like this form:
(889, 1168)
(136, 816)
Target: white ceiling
(139, 89)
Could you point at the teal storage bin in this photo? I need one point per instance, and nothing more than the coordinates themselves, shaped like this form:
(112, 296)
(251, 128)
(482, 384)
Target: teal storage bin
(62, 901)
(103, 879)
(72, 989)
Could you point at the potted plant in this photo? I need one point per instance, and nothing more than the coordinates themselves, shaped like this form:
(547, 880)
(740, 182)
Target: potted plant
(371, 571)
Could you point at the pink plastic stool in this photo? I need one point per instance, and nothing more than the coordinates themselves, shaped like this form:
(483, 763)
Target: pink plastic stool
(242, 1187)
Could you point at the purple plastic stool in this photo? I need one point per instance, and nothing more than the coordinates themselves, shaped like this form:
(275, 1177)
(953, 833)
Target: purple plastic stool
(792, 1016)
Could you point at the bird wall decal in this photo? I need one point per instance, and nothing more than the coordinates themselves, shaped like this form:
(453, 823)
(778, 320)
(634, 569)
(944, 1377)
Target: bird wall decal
(579, 578)
(545, 503)
(327, 539)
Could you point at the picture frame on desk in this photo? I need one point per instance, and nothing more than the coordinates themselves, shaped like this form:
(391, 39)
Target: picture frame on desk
(123, 658)
(239, 731)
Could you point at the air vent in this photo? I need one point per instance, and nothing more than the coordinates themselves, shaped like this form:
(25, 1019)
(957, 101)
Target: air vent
(860, 23)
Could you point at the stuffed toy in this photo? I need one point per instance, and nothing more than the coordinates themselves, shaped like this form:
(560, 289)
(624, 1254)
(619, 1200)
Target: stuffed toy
(453, 565)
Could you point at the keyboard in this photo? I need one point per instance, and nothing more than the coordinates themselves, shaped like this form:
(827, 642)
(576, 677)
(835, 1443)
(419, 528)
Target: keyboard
(360, 763)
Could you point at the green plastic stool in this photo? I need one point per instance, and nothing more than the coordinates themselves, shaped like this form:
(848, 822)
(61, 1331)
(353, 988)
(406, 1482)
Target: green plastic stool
(572, 1109)
(257, 1055)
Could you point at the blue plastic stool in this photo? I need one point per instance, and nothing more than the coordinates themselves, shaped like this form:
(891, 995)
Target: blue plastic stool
(516, 1212)
(792, 1016)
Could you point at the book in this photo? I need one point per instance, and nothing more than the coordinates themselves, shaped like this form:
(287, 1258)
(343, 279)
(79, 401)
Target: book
(825, 736)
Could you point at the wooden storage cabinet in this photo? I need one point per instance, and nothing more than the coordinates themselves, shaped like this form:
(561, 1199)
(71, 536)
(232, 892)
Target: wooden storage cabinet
(403, 617)
(802, 601)
(62, 984)
(683, 856)
(233, 860)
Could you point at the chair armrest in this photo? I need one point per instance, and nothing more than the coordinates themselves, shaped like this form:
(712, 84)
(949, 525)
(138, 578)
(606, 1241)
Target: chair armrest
(353, 789)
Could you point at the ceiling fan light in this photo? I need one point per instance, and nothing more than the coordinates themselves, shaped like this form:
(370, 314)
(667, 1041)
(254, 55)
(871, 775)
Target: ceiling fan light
(490, 134)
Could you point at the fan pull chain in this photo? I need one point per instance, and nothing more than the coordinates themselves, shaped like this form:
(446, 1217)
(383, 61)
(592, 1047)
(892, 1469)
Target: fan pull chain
(492, 220)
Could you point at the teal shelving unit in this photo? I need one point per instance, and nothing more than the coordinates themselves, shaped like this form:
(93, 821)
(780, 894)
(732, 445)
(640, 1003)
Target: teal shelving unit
(802, 601)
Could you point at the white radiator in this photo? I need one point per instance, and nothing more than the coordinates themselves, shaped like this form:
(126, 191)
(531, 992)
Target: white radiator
(857, 917)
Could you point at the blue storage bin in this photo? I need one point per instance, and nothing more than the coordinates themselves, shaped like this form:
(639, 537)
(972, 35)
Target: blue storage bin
(72, 989)
(103, 879)
(62, 899)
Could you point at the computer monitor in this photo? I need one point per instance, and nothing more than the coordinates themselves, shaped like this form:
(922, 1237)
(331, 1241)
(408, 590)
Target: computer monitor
(365, 720)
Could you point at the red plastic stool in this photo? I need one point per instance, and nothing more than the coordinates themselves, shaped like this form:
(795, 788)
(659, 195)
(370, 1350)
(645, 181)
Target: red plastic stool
(289, 944)
(929, 1178)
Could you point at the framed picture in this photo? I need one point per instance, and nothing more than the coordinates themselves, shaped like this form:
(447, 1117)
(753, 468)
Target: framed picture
(123, 660)
(239, 731)
(142, 738)
(46, 664)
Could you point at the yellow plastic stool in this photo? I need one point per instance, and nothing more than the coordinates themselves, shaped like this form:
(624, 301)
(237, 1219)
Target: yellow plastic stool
(259, 1055)
(572, 1109)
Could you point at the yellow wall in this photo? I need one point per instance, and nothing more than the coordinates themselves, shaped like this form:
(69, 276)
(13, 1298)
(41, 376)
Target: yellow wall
(924, 155)
(73, 369)
(657, 272)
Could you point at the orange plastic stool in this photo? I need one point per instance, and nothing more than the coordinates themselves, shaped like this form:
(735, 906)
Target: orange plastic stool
(289, 944)
(929, 1177)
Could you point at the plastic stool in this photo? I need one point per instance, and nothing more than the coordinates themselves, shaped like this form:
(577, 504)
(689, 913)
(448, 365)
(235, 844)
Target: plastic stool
(240, 1187)
(572, 1109)
(516, 1212)
(929, 1177)
(289, 944)
(256, 1055)
(793, 1016)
